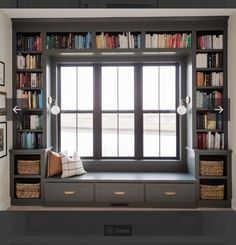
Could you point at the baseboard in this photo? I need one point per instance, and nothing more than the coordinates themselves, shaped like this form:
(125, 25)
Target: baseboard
(5, 204)
(234, 204)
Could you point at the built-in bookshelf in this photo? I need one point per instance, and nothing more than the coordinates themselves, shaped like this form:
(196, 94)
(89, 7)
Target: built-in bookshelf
(200, 44)
(210, 92)
(29, 91)
(212, 160)
(29, 135)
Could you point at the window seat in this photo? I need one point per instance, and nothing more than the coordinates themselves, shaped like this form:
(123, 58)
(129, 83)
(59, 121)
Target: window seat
(122, 188)
(126, 176)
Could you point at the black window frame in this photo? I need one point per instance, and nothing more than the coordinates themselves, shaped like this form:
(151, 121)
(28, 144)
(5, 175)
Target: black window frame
(126, 165)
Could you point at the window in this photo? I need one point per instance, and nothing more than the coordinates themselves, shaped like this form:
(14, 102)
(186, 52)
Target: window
(119, 111)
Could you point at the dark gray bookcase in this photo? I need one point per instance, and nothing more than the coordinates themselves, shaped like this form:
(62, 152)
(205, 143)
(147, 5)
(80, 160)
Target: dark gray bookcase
(64, 32)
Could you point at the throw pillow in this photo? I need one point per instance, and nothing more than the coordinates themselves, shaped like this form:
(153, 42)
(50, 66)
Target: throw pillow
(71, 166)
(54, 164)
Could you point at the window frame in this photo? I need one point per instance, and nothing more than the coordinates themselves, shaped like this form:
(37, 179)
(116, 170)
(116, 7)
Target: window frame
(126, 164)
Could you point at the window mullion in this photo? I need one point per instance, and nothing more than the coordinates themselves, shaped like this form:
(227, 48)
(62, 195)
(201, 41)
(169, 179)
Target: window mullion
(138, 98)
(97, 125)
(159, 100)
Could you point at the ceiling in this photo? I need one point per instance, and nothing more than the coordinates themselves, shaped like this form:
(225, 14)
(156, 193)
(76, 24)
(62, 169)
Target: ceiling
(96, 13)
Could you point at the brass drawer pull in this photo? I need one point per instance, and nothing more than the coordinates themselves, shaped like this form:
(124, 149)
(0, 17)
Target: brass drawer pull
(170, 193)
(119, 193)
(69, 193)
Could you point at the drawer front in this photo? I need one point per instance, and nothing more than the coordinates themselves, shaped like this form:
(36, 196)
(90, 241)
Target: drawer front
(69, 192)
(170, 193)
(119, 192)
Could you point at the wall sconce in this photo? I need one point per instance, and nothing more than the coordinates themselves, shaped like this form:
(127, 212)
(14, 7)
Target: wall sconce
(55, 109)
(182, 109)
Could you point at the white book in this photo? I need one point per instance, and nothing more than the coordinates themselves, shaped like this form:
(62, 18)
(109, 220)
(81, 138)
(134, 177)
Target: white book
(20, 62)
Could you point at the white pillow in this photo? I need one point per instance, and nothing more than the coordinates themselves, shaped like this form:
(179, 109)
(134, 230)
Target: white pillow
(71, 166)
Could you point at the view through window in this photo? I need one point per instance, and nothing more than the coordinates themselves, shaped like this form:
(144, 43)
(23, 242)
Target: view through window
(124, 98)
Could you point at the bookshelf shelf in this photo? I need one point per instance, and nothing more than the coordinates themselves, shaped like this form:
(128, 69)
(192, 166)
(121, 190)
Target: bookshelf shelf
(30, 130)
(210, 88)
(30, 88)
(29, 70)
(209, 130)
(27, 176)
(209, 50)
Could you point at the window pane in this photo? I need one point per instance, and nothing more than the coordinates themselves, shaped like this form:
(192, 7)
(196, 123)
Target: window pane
(85, 88)
(126, 88)
(151, 135)
(126, 135)
(68, 133)
(109, 88)
(150, 88)
(167, 87)
(68, 88)
(109, 135)
(168, 135)
(85, 135)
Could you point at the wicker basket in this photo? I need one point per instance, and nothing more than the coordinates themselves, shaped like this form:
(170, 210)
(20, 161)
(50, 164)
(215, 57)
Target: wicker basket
(212, 192)
(27, 190)
(211, 168)
(28, 167)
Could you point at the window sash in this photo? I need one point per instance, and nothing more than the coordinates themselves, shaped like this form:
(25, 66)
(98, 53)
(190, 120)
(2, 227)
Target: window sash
(138, 114)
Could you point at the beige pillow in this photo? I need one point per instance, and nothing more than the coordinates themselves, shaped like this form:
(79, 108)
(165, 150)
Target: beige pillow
(71, 166)
(54, 164)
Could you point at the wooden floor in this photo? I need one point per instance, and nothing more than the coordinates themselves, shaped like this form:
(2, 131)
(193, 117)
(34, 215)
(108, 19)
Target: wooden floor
(127, 209)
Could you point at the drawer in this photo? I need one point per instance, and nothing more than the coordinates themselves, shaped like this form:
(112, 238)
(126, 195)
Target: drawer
(119, 192)
(68, 192)
(168, 193)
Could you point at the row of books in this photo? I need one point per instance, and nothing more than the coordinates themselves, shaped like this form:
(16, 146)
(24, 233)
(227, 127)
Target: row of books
(206, 60)
(210, 41)
(69, 41)
(29, 99)
(25, 79)
(117, 40)
(210, 140)
(29, 140)
(29, 61)
(28, 43)
(30, 122)
(177, 40)
(209, 120)
(209, 79)
(209, 99)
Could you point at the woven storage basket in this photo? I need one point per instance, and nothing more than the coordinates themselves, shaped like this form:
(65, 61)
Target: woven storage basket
(212, 192)
(27, 190)
(28, 167)
(211, 168)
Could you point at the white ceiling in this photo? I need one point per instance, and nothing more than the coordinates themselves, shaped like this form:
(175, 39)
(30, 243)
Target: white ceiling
(93, 13)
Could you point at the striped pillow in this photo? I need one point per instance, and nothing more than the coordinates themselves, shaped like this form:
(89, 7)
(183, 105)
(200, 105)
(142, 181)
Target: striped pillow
(71, 166)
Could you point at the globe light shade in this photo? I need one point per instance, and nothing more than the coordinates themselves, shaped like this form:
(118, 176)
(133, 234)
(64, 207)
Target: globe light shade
(55, 110)
(181, 109)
